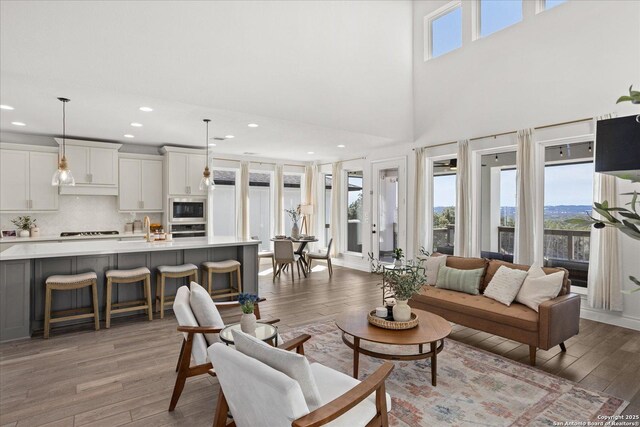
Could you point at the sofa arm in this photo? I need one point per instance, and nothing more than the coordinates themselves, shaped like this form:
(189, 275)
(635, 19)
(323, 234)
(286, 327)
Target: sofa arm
(559, 320)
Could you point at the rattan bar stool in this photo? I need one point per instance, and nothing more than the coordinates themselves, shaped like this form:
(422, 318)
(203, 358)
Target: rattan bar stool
(66, 283)
(141, 274)
(218, 267)
(189, 271)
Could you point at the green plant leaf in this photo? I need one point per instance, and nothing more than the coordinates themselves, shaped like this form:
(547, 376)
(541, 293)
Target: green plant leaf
(624, 98)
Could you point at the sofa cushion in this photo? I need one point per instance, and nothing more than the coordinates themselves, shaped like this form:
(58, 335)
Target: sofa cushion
(432, 266)
(185, 317)
(539, 287)
(516, 315)
(505, 284)
(494, 265)
(467, 281)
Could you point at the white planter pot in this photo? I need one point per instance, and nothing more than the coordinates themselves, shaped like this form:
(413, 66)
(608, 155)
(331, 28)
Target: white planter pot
(248, 323)
(24, 233)
(397, 263)
(401, 311)
(295, 231)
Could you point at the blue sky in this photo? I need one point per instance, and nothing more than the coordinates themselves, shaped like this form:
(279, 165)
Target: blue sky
(498, 14)
(564, 185)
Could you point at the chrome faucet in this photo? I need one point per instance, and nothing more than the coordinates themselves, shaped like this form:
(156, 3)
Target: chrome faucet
(147, 228)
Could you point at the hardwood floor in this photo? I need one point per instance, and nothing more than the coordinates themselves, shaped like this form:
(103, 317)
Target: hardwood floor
(125, 375)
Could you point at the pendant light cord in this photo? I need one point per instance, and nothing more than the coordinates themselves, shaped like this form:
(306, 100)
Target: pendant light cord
(206, 161)
(64, 129)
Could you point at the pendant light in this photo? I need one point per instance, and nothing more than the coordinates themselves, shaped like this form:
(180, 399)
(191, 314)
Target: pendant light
(63, 176)
(206, 182)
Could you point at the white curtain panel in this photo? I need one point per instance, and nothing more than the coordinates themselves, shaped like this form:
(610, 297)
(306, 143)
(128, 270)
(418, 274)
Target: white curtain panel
(526, 243)
(419, 239)
(310, 181)
(462, 241)
(278, 194)
(604, 286)
(243, 211)
(336, 207)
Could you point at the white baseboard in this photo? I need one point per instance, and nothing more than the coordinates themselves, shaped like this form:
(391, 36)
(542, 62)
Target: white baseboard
(610, 317)
(348, 261)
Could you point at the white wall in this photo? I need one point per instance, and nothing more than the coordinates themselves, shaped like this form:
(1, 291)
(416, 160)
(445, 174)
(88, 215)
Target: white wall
(566, 63)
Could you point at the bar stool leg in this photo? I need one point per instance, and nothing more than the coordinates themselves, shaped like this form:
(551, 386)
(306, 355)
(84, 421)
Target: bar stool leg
(195, 276)
(157, 292)
(209, 281)
(47, 312)
(96, 308)
(162, 280)
(147, 294)
(107, 313)
(239, 288)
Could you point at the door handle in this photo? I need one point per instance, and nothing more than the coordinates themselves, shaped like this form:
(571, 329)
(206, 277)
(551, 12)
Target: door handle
(373, 232)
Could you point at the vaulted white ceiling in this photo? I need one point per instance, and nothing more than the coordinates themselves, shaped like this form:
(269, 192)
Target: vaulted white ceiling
(313, 75)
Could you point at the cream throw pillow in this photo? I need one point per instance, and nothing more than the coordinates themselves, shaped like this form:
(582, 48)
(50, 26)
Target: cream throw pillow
(432, 266)
(539, 287)
(505, 284)
(294, 365)
(205, 311)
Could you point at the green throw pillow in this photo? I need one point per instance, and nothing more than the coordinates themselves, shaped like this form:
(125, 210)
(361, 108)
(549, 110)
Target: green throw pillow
(467, 281)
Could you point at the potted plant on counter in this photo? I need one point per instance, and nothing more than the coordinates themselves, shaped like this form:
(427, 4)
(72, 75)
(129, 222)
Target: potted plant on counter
(248, 319)
(404, 283)
(24, 223)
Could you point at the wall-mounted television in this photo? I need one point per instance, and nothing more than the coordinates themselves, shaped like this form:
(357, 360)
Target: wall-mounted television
(618, 147)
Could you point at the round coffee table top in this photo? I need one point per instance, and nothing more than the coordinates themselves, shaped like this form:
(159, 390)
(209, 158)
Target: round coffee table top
(430, 329)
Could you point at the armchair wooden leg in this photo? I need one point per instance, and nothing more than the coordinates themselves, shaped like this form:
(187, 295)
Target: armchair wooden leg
(222, 409)
(532, 355)
(183, 369)
(381, 406)
(180, 357)
(562, 347)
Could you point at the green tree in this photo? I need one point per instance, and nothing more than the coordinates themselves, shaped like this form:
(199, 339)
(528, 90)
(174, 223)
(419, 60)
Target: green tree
(354, 211)
(444, 218)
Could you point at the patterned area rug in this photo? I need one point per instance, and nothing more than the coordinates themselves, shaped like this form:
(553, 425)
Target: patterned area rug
(475, 387)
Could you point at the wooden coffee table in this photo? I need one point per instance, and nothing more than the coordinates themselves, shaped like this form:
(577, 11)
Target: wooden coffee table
(431, 330)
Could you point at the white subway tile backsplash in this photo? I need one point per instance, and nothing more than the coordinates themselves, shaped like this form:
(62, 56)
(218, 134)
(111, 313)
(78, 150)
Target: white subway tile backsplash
(80, 213)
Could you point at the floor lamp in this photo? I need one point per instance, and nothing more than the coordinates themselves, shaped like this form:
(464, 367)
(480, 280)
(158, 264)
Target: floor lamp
(304, 211)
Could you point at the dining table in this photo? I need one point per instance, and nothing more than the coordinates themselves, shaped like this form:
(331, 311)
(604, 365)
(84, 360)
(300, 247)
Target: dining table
(302, 244)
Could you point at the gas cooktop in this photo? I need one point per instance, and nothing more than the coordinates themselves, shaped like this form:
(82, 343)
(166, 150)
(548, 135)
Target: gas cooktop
(88, 233)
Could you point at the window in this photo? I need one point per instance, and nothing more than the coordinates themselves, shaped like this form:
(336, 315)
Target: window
(327, 209)
(548, 4)
(444, 30)
(224, 203)
(354, 212)
(568, 195)
(292, 197)
(498, 205)
(444, 205)
(496, 15)
(260, 197)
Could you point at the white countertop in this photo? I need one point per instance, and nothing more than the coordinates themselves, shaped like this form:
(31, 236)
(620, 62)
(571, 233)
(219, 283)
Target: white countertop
(101, 247)
(53, 238)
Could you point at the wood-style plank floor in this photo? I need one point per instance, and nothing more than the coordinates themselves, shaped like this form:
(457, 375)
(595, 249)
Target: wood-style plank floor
(125, 375)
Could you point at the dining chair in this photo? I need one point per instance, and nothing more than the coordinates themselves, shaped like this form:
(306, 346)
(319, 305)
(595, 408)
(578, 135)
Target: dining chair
(326, 257)
(265, 254)
(285, 256)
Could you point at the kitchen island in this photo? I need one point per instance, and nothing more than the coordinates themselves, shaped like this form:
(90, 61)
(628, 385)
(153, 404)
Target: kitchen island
(25, 267)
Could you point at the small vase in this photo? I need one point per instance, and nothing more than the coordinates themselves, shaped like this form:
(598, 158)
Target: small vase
(35, 232)
(24, 233)
(397, 263)
(248, 323)
(401, 311)
(295, 231)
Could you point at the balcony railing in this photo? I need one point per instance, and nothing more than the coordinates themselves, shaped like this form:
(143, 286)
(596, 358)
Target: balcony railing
(571, 245)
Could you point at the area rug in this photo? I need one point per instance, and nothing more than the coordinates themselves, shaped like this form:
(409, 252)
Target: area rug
(475, 387)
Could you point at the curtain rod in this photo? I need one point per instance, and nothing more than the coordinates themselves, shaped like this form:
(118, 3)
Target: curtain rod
(509, 133)
(262, 163)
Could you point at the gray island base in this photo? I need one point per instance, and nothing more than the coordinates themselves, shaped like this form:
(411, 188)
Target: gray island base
(24, 269)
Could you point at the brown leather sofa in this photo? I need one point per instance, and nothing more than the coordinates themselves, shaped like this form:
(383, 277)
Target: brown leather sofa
(556, 321)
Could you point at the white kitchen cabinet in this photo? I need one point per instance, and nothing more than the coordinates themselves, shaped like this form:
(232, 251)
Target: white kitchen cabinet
(94, 166)
(140, 180)
(184, 171)
(25, 178)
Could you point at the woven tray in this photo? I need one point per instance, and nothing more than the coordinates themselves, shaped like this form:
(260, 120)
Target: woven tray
(392, 324)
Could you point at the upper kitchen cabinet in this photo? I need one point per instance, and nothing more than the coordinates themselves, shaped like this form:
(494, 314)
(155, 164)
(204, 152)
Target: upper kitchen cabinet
(140, 181)
(25, 178)
(94, 166)
(184, 168)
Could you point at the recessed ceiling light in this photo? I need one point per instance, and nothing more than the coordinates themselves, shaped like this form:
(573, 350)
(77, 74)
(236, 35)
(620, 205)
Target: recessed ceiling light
(6, 107)
(211, 144)
(310, 152)
(146, 109)
(128, 135)
(229, 136)
(18, 124)
(341, 146)
(252, 125)
(136, 125)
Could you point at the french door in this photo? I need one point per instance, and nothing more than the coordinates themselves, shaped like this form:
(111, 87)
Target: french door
(389, 208)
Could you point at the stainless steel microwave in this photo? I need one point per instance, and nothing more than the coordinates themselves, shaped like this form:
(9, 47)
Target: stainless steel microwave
(188, 210)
